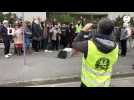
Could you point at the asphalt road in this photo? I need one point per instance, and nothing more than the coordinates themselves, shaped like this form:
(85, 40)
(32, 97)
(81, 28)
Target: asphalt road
(46, 66)
(119, 82)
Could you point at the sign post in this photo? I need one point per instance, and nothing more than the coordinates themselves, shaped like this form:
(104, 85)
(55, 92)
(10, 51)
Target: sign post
(126, 20)
(24, 50)
(126, 23)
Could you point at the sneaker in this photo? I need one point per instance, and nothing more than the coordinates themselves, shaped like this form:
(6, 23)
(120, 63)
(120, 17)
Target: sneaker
(7, 56)
(45, 50)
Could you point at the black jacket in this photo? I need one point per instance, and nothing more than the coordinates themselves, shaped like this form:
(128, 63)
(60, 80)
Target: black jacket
(3, 31)
(104, 43)
(36, 31)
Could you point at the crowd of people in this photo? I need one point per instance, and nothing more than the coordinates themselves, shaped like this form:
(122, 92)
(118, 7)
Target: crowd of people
(50, 36)
(38, 35)
(100, 47)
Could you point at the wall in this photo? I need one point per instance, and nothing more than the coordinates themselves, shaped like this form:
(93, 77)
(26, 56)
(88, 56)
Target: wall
(30, 15)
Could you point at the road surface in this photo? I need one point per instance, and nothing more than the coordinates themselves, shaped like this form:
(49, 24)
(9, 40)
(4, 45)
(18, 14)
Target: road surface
(46, 66)
(119, 82)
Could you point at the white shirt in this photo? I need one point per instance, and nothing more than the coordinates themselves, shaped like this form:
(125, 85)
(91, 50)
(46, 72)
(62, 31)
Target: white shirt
(55, 32)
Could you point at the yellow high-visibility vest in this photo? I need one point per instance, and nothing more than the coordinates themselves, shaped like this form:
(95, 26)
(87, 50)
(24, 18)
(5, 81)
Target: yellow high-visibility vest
(78, 28)
(97, 67)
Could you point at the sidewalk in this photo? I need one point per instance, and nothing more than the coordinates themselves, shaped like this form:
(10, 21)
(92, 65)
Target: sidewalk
(45, 68)
(123, 82)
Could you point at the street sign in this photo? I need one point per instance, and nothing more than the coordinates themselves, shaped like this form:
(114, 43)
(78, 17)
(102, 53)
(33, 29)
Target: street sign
(126, 19)
(10, 31)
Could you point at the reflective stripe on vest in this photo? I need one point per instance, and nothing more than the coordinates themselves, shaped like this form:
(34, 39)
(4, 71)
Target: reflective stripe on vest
(106, 83)
(97, 74)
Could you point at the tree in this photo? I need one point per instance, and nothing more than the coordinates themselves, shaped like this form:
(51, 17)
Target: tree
(132, 21)
(65, 18)
(119, 21)
(11, 17)
(60, 17)
(7, 16)
(1, 16)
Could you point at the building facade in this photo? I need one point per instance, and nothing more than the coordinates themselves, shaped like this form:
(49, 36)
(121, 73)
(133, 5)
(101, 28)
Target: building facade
(30, 15)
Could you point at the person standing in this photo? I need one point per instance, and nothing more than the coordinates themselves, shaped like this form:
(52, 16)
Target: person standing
(55, 37)
(78, 27)
(28, 34)
(71, 34)
(99, 54)
(18, 38)
(36, 35)
(65, 35)
(125, 34)
(5, 38)
(32, 32)
(45, 37)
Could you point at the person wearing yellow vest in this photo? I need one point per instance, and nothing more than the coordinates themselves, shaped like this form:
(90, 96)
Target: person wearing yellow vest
(78, 27)
(99, 54)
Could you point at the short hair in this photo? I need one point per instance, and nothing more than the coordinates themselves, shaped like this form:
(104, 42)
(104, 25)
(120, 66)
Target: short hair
(105, 26)
(5, 22)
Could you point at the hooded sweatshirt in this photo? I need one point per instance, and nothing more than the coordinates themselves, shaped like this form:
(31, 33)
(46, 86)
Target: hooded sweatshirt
(104, 43)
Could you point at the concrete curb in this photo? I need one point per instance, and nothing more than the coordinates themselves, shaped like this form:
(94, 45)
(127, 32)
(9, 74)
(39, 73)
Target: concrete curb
(41, 82)
(123, 75)
(56, 80)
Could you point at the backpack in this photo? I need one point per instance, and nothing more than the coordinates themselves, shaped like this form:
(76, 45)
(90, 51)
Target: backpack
(62, 54)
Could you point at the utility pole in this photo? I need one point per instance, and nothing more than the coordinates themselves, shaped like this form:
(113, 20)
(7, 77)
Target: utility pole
(24, 50)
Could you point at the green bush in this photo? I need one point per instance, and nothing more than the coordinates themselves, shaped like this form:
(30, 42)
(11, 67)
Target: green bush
(60, 17)
(119, 21)
(7, 16)
(1, 16)
(65, 18)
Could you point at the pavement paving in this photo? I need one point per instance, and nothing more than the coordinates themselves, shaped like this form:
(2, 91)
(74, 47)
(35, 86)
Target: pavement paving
(46, 66)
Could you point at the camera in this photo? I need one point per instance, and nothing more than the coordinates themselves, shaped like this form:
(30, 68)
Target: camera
(94, 26)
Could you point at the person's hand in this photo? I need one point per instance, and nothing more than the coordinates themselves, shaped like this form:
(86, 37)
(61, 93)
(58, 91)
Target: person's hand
(87, 27)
